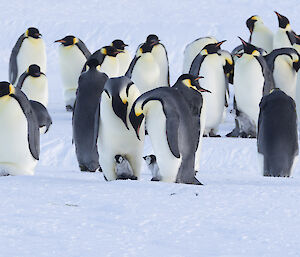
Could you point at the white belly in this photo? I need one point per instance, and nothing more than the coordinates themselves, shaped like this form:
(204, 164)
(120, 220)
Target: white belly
(71, 61)
(156, 126)
(161, 58)
(124, 62)
(193, 49)
(263, 38)
(15, 156)
(36, 89)
(248, 86)
(32, 51)
(281, 39)
(110, 66)
(285, 76)
(114, 138)
(145, 74)
(214, 81)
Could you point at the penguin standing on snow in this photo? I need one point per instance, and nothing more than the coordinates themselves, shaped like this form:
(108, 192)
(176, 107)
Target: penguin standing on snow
(277, 138)
(116, 135)
(123, 57)
(153, 167)
(34, 84)
(284, 64)
(252, 80)
(284, 37)
(108, 61)
(19, 132)
(85, 122)
(193, 49)
(172, 130)
(72, 55)
(29, 49)
(144, 71)
(123, 168)
(211, 64)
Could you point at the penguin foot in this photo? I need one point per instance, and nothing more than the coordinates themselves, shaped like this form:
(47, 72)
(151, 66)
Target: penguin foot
(83, 168)
(155, 179)
(125, 176)
(69, 108)
(212, 134)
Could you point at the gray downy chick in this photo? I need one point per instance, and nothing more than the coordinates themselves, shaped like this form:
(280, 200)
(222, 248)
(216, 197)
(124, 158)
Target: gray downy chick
(123, 168)
(153, 167)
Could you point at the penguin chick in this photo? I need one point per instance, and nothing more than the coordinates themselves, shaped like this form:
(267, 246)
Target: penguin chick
(153, 167)
(123, 168)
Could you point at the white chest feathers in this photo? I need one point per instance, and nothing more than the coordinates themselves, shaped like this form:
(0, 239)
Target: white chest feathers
(124, 62)
(262, 37)
(36, 88)
(160, 56)
(32, 51)
(281, 39)
(110, 66)
(15, 156)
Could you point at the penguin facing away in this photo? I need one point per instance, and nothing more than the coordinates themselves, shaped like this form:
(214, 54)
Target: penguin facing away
(171, 129)
(72, 56)
(252, 80)
(19, 132)
(85, 122)
(123, 168)
(29, 49)
(34, 84)
(277, 138)
(116, 135)
(153, 167)
(193, 49)
(123, 57)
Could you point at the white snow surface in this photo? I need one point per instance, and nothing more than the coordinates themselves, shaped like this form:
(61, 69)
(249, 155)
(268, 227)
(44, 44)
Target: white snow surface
(63, 212)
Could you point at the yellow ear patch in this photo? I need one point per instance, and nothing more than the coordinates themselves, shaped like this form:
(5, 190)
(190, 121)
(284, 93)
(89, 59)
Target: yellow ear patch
(98, 67)
(75, 40)
(124, 101)
(188, 83)
(204, 52)
(255, 18)
(103, 51)
(26, 33)
(229, 60)
(27, 71)
(11, 89)
(271, 91)
(288, 27)
(255, 53)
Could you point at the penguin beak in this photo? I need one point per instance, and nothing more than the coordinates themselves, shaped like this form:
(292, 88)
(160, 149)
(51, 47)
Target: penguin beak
(201, 89)
(136, 121)
(145, 158)
(243, 41)
(60, 41)
(120, 109)
(37, 35)
(156, 42)
(125, 45)
(200, 77)
(221, 42)
(278, 15)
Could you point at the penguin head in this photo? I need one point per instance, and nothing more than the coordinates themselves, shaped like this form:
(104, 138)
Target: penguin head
(152, 39)
(192, 82)
(110, 51)
(93, 63)
(118, 92)
(67, 41)
(33, 32)
(119, 44)
(283, 21)
(119, 158)
(251, 21)
(34, 70)
(212, 48)
(150, 159)
(146, 48)
(6, 89)
(250, 49)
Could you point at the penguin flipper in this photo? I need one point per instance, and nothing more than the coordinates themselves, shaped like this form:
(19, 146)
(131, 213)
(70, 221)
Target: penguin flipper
(42, 114)
(291, 36)
(13, 66)
(269, 83)
(128, 73)
(21, 79)
(196, 65)
(96, 124)
(168, 79)
(172, 127)
(32, 123)
(82, 47)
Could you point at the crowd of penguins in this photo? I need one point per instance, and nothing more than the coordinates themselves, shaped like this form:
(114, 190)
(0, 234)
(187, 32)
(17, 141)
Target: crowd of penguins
(117, 100)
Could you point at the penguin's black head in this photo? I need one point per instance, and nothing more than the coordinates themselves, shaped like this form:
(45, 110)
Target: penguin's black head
(250, 49)
(119, 158)
(6, 88)
(212, 48)
(283, 21)
(33, 32)
(92, 63)
(192, 82)
(152, 39)
(110, 51)
(146, 48)
(150, 159)
(119, 44)
(67, 41)
(250, 23)
(34, 70)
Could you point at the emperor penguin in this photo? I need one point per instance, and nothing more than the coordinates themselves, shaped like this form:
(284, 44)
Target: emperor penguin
(173, 133)
(284, 64)
(108, 61)
(123, 57)
(19, 132)
(284, 37)
(277, 138)
(116, 135)
(193, 49)
(252, 80)
(211, 63)
(72, 56)
(29, 49)
(188, 86)
(153, 167)
(144, 71)
(123, 168)
(85, 121)
(34, 84)
(260, 35)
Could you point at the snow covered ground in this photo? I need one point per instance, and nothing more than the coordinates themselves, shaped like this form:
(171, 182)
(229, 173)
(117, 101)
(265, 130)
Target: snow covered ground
(63, 212)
